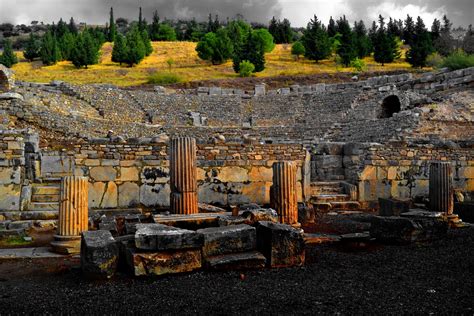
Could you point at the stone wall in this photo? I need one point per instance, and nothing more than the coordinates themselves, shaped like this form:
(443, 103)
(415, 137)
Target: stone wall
(12, 163)
(137, 174)
(402, 170)
(7, 79)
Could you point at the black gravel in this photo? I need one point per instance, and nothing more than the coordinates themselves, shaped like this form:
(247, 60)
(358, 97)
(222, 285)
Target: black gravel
(434, 278)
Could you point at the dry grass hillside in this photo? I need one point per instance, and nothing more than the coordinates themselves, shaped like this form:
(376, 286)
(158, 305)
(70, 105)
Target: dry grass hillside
(186, 65)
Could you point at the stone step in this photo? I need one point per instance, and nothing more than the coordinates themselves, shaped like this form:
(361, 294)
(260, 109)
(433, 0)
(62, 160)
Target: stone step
(44, 206)
(331, 197)
(319, 239)
(322, 206)
(30, 215)
(45, 198)
(345, 205)
(46, 190)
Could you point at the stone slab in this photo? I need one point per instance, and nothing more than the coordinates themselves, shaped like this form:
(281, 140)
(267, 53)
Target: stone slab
(166, 262)
(282, 245)
(99, 254)
(236, 261)
(228, 239)
(393, 207)
(157, 237)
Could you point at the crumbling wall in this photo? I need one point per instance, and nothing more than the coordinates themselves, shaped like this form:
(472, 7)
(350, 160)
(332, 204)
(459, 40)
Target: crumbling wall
(7, 79)
(12, 163)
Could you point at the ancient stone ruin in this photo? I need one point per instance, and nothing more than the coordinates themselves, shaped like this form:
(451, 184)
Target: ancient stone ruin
(168, 181)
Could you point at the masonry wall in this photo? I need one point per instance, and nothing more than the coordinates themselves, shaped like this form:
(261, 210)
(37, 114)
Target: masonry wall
(130, 175)
(12, 163)
(402, 170)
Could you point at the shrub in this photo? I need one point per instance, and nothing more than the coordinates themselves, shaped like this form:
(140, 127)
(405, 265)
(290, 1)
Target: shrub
(358, 64)
(246, 68)
(298, 49)
(458, 60)
(162, 78)
(434, 60)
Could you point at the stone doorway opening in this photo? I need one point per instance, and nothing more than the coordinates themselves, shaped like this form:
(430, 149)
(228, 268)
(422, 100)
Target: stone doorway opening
(390, 106)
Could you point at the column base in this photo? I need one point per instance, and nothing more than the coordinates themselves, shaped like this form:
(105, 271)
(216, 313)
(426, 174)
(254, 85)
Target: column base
(66, 245)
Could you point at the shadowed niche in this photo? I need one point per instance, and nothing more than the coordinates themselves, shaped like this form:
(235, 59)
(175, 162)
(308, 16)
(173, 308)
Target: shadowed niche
(390, 105)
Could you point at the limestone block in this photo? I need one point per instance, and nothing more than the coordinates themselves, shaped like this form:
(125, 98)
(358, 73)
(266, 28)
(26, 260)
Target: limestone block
(10, 197)
(155, 195)
(165, 262)
(129, 174)
(400, 189)
(103, 195)
(212, 193)
(201, 174)
(393, 207)
(260, 174)
(282, 245)
(466, 172)
(228, 239)
(233, 174)
(236, 261)
(10, 175)
(157, 237)
(369, 173)
(257, 192)
(99, 254)
(129, 194)
(152, 175)
(57, 165)
(107, 173)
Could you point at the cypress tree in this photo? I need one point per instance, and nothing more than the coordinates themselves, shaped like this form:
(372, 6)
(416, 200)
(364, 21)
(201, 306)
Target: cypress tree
(50, 51)
(136, 47)
(274, 30)
(61, 28)
(362, 41)
(435, 29)
(72, 26)
(66, 44)
(468, 42)
(155, 27)
(119, 52)
(85, 51)
(140, 20)
(287, 32)
(33, 47)
(112, 27)
(332, 30)
(8, 57)
(346, 49)
(147, 43)
(409, 30)
(385, 46)
(316, 41)
(421, 46)
(444, 44)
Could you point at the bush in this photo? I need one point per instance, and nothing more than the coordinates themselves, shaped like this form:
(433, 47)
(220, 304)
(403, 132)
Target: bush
(358, 64)
(297, 49)
(458, 60)
(434, 60)
(162, 78)
(246, 69)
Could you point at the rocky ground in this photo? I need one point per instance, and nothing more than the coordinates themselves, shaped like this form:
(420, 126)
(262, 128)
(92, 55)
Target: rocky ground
(433, 278)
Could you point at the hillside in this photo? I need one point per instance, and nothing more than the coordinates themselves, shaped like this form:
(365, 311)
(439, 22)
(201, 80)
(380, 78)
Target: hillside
(187, 66)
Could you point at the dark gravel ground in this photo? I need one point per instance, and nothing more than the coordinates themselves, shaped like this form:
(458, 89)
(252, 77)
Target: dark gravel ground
(434, 278)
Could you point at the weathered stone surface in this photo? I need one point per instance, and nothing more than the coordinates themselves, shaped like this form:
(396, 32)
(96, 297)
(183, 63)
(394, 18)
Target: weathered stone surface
(207, 208)
(256, 215)
(11, 96)
(103, 195)
(99, 254)
(283, 195)
(10, 175)
(155, 195)
(393, 207)
(282, 245)
(403, 230)
(236, 261)
(166, 262)
(153, 237)
(228, 239)
(129, 194)
(10, 197)
(103, 173)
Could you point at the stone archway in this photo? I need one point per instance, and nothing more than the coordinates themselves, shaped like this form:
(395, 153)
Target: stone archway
(390, 106)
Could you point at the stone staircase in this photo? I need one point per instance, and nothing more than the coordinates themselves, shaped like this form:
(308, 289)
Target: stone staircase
(45, 196)
(334, 196)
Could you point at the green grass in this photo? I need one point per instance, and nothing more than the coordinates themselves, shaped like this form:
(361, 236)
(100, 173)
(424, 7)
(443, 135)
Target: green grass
(458, 60)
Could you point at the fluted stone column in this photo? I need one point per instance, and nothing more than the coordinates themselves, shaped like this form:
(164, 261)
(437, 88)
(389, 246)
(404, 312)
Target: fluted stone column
(73, 214)
(441, 189)
(183, 176)
(283, 195)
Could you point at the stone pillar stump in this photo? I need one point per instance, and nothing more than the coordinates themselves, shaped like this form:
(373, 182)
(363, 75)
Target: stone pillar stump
(183, 176)
(284, 194)
(441, 190)
(73, 215)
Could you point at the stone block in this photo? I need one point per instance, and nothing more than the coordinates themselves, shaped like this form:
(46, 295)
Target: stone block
(228, 239)
(128, 174)
(103, 195)
(99, 254)
(51, 165)
(107, 173)
(153, 175)
(236, 261)
(282, 245)
(10, 175)
(215, 91)
(393, 207)
(10, 197)
(129, 194)
(260, 89)
(157, 237)
(233, 174)
(157, 195)
(165, 262)
(328, 161)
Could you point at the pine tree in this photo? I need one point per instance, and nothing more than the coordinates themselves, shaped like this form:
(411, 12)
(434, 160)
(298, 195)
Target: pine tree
(155, 27)
(421, 46)
(112, 27)
(119, 52)
(316, 41)
(444, 44)
(287, 32)
(385, 46)
(274, 30)
(215, 47)
(346, 49)
(50, 51)
(61, 29)
(408, 30)
(72, 26)
(252, 50)
(332, 30)
(66, 44)
(166, 33)
(33, 47)
(147, 43)
(297, 49)
(362, 41)
(468, 41)
(136, 47)
(8, 57)
(435, 29)
(85, 51)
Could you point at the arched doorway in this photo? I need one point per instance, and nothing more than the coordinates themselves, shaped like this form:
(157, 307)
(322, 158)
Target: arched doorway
(390, 105)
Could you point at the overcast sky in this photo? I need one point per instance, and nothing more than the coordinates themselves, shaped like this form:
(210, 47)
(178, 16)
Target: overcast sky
(460, 12)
